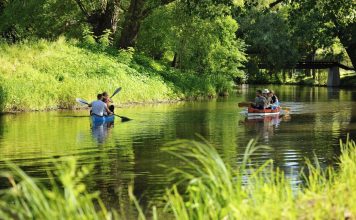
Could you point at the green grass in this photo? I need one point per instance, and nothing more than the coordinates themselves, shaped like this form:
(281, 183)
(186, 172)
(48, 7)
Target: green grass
(216, 191)
(29, 199)
(208, 189)
(44, 75)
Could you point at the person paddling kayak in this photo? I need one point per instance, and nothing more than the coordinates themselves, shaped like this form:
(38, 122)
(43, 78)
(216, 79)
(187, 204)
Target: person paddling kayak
(98, 107)
(107, 101)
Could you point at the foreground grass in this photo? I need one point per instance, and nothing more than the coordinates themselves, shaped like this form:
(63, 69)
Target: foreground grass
(215, 191)
(44, 75)
(212, 190)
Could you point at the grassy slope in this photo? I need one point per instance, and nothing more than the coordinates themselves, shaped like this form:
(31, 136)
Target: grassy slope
(45, 75)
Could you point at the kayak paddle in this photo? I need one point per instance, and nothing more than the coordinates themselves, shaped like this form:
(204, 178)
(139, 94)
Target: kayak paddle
(82, 101)
(244, 104)
(123, 118)
(115, 92)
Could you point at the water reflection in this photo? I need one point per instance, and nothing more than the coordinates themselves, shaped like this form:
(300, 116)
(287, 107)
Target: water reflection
(101, 131)
(264, 126)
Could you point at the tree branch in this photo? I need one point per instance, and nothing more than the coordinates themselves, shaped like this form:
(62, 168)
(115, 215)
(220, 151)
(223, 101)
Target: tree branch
(82, 8)
(271, 5)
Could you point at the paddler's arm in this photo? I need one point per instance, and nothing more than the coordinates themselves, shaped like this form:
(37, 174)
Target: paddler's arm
(108, 110)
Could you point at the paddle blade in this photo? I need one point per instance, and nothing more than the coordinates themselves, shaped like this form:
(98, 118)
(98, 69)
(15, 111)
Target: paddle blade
(81, 101)
(123, 118)
(244, 104)
(116, 91)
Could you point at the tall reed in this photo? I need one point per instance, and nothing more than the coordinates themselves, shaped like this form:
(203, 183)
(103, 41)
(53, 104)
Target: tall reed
(213, 190)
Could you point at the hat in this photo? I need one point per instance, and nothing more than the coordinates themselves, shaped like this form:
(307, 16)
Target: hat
(265, 91)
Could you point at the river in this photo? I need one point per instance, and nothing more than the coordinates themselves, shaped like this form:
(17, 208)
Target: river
(130, 153)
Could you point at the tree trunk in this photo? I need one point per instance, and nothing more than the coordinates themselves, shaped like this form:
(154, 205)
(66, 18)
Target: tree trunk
(348, 40)
(351, 51)
(103, 18)
(175, 59)
(132, 24)
(107, 19)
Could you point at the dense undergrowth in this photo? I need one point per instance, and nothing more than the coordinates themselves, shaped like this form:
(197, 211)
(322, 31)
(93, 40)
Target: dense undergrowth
(43, 75)
(213, 190)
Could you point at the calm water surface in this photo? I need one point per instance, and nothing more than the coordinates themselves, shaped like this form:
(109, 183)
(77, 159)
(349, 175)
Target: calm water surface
(129, 153)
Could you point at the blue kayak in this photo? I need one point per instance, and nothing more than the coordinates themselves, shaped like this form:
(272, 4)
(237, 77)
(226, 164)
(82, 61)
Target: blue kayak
(102, 119)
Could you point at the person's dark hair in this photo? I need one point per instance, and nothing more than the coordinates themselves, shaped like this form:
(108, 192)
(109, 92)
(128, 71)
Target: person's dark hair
(99, 96)
(259, 91)
(105, 94)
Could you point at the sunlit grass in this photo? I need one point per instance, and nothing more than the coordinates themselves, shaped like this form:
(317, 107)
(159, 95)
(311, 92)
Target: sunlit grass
(44, 75)
(29, 199)
(49, 75)
(216, 191)
(206, 188)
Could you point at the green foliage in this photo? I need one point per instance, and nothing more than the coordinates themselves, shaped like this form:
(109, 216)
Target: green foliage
(67, 199)
(88, 37)
(84, 72)
(126, 56)
(3, 95)
(205, 45)
(45, 75)
(206, 37)
(40, 19)
(156, 36)
(319, 24)
(269, 39)
(105, 40)
(216, 191)
(189, 83)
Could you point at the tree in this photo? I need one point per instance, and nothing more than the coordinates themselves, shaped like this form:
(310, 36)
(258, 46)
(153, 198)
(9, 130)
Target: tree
(39, 18)
(269, 40)
(202, 43)
(137, 12)
(326, 21)
(51, 18)
(101, 15)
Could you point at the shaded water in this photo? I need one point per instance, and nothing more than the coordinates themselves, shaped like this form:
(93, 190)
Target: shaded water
(129, 153)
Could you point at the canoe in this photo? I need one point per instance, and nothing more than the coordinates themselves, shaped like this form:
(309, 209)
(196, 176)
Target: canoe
(102, 119)
(264, 112)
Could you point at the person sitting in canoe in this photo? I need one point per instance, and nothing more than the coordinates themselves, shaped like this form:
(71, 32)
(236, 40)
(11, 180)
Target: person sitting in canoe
(274, 99)
(107, 101)
(265, 93)
(260, 101)
(99, 108)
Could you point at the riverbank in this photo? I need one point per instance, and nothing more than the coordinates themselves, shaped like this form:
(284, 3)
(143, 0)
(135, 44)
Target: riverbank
(45, 75)
(347, 80)
(214, 190)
